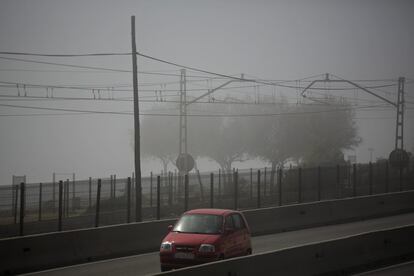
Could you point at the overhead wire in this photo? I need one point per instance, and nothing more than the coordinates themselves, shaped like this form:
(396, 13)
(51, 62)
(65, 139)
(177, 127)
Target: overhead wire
(64, 55)
(191, 115)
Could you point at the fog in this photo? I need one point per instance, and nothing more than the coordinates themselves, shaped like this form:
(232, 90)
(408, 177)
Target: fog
(370, 42)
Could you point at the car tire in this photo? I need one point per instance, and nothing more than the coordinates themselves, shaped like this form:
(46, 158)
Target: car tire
(164, 268)
(249, 252)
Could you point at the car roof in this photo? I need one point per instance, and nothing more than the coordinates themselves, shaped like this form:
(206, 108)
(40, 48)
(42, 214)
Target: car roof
(211, 211)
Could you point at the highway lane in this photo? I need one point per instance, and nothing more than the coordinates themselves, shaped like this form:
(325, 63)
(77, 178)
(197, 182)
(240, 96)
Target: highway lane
(144, 264)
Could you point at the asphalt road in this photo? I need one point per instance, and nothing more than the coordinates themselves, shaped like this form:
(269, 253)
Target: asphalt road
(149, 263)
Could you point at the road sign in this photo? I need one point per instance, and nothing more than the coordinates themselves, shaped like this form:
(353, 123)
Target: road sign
(185, 162)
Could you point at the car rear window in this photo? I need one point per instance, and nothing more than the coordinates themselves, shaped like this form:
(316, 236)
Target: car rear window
(199, 223)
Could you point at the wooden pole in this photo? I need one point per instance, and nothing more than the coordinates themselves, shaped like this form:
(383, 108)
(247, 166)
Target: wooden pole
(138, 187)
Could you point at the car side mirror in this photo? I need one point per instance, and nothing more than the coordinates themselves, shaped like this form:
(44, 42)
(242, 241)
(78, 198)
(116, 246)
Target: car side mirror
(170, 227)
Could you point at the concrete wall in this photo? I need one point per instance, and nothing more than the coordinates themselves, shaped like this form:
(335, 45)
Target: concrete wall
(271, 220)
(37, 252)
(338, 257)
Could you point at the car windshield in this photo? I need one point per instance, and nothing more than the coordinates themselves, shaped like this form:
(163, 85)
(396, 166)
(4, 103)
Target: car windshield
(199, 223)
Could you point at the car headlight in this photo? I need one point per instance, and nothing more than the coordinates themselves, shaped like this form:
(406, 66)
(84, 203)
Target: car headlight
(207, 248)
(166, 246)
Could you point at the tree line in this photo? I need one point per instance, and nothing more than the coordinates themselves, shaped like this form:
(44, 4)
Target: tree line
(305, 134)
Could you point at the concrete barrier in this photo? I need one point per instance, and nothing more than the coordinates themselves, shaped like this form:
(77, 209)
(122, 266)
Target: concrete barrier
(286, 218)
(342, 256)
(37, 252)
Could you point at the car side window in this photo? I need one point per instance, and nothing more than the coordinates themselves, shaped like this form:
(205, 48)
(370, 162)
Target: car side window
(238, 221)
(229, 224)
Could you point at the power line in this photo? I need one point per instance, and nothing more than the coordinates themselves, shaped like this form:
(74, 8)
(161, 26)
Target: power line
(191, 115)
(91, 67)
(64, 55)
(66, 65)
(101, 68)
(111, 87)
(166, 99)
(257, 80)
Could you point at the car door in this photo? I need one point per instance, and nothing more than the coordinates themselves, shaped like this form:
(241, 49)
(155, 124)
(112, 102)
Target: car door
(230, 243)
(240, 235)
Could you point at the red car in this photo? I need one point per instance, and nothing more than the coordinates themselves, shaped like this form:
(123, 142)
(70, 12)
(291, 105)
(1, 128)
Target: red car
(205, 235)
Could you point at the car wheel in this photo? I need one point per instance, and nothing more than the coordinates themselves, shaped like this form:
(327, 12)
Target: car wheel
(164, 268)
(249, 251)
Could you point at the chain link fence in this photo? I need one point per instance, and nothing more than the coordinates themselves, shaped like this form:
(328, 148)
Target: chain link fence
(64, 205)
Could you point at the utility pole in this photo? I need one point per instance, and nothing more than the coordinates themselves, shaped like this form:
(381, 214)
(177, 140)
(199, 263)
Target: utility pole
(183, 112)
(399, 135)
(399, 130)
(138, 190)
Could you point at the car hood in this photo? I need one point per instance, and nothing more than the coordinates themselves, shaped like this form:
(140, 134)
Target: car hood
(191, 238)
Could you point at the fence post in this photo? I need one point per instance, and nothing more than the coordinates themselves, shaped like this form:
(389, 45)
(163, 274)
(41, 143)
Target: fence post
(110, 186)
(54, 191)
(65, 201)
(186, 192)
(386, 177)
(180, 186)
(114, 179)
(138, 198)
(258, 189)
(151, 189)
(299, 185)
(16, 197)
(67, 197)
(211, 190)
(219, 185)
(170, 190)
(22, 207)
(60, 205)
(236, 193)
(319, 183)
(280, 174)
(338, 182)
(12, 199)
(40, 201)
(90, 192)
(73, 191)
(129, 200)
(158, 214)
(370, 178)
(354, 180)
(264, 183)
(98, 203)
(251, 183)
(175, 186)
(64, 198)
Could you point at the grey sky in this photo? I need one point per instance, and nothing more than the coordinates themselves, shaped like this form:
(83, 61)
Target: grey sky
(266, 39)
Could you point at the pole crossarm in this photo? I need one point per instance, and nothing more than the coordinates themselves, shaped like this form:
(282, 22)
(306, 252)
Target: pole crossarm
(210, 92)
(349, 82)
